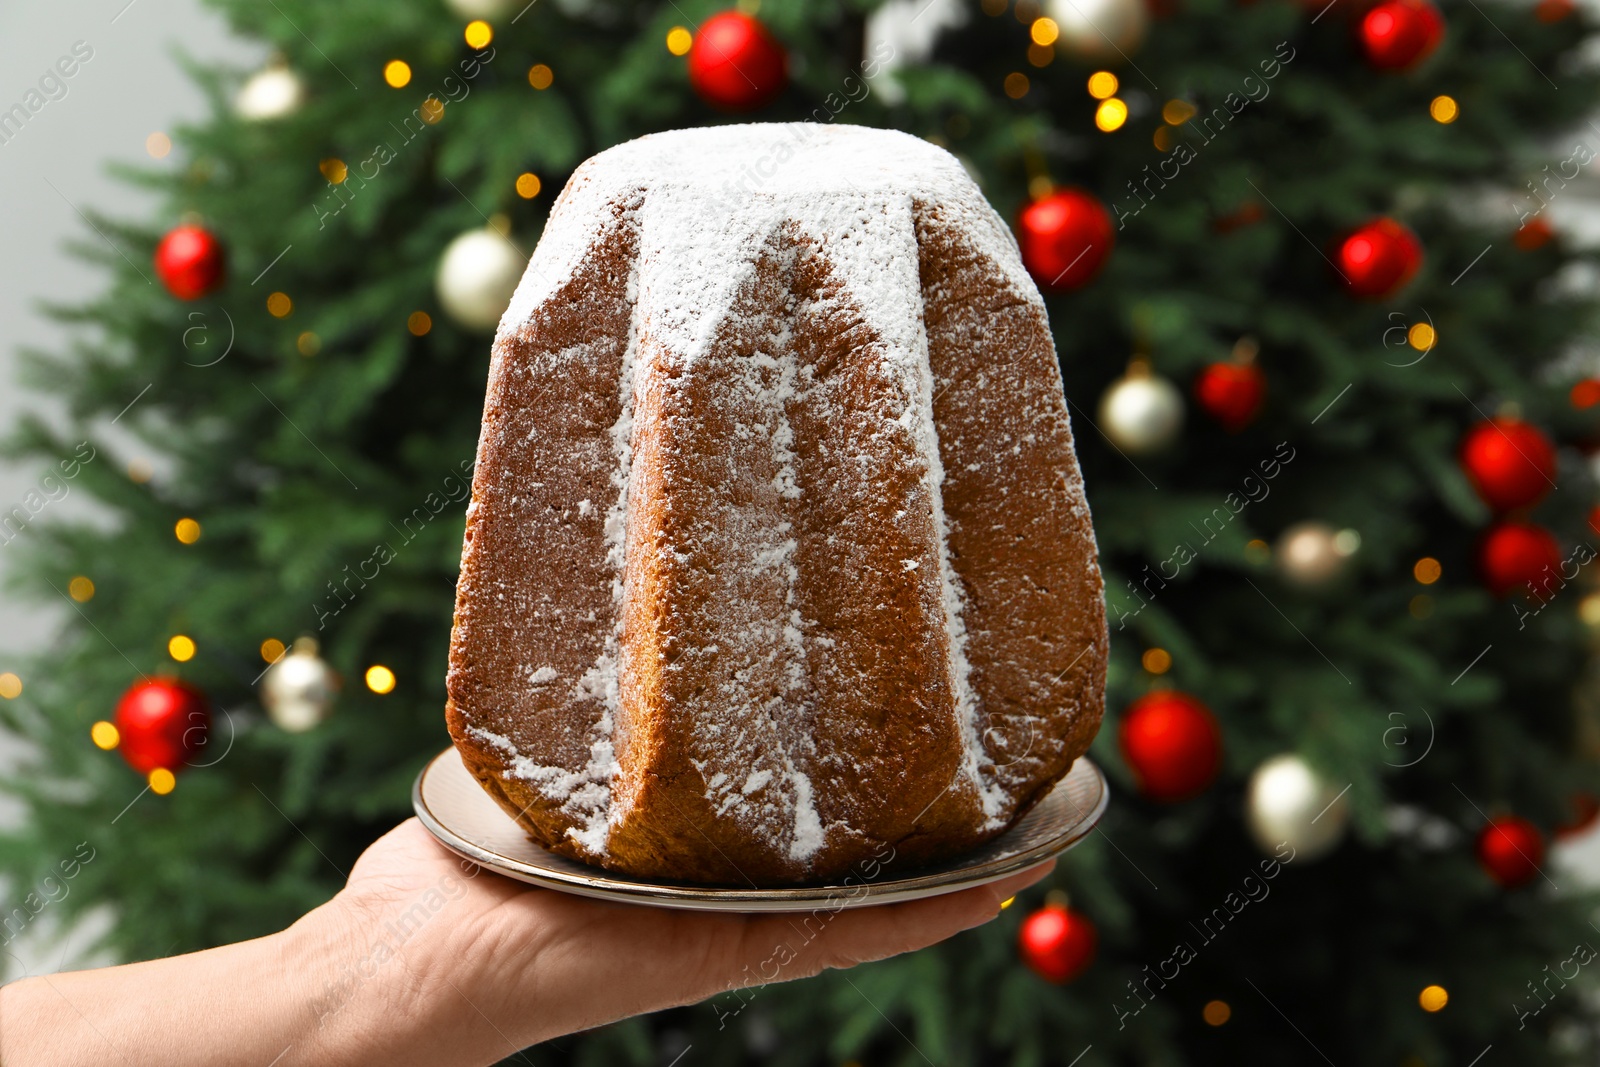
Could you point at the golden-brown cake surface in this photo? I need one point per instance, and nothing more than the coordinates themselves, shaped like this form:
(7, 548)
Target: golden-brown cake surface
(777, 551)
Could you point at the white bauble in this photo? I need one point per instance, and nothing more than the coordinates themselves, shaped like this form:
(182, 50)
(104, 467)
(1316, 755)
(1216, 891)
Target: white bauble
(481, 9)
(270, 93)
(1312, 553)
(477, 275)
(1106, 30)
(298, 689)
(1290, 803)
(1141, 412)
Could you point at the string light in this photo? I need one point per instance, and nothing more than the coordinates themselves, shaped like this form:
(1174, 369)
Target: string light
(187, 531)
(1421, 337)
(158, 145)
(1177, 112)
(1257, 551)
(1110, 115)
(1156, 660)
(105, 735)
(10, 686)
(1041, 55)
(181, 648)
(308, 343)
(1016, 85)
(333, 169)
(279, 305)
(162, 781)
(1044, 31)
(540, 76)
(397, 72)
(1102, 84)
(380, 679)
(679, 40)
(528, 185)
(1433, 998)
(80, 589)
(432, 110)
(419, 323)
(1427, 570)
(1006, 903)
(272, 649)
(1216, 1012)
(1444, 109)
(478, 34)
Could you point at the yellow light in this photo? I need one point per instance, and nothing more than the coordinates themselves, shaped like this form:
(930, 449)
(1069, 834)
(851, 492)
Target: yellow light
(1427, 570)
(162, 781)
(10, 686)
(279, 305)
(994, 7)
(380, 679)
(308, 343)
(1111, 114)
(397, 72)
(181, 648)
(1177, 112)
(1216, 1012)
(104, 735)
(1006, 903)
(1589, 609)
(1156, 660)
(80, 589)
(271, 649)
(333, 169)
(140, 471)
(528, 185)
(432, 110)
(1433, 998)
(1257, 551)
(1041, 55)
(1044, 31)
(1421, 606)
(187, 531)
(478, 34)
(1103, 83)
(1422, 337)
(158, 145)
(1162, 139)
(1016, 85)
(1041, 186)
(540, 76)
(419, 323)
(679, 40)
(1444, 109)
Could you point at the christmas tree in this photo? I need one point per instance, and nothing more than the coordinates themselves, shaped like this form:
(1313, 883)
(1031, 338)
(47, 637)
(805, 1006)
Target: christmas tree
(1348, 698)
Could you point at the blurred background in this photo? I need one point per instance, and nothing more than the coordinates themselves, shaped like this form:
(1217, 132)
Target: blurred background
(1206, 277)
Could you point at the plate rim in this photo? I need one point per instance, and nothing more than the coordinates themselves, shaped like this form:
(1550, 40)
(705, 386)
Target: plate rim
(603, 884)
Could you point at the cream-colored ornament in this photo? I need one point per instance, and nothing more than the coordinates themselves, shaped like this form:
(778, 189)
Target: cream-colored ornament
(1100, 30)
(298, 690)
(270, 93)
(1311, 554)
(1142, 412)
(477, 275)
(1289, 803)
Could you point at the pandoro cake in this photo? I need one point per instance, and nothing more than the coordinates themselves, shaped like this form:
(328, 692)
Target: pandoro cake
(777, 559)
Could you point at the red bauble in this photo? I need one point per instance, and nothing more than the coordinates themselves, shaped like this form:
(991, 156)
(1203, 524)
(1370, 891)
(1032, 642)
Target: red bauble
(1172, 743)
(1379, 259)
(1553, 10)
(190, 262)
(162, 722)
(735, 64)
(1399, 34)
(1517, 554)
(1231, 393)
(1511, 463)
(1058, 943)
(1511, 850)
(1065, 237)
(1533, 234)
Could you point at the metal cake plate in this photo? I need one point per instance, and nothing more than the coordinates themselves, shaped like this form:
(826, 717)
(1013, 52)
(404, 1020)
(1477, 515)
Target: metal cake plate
(451, 804)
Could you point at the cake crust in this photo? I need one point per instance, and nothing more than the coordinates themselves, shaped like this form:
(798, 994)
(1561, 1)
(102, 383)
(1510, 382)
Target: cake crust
(777, 550)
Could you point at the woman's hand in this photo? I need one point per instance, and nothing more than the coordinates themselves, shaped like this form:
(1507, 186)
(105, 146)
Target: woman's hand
(425, 960)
